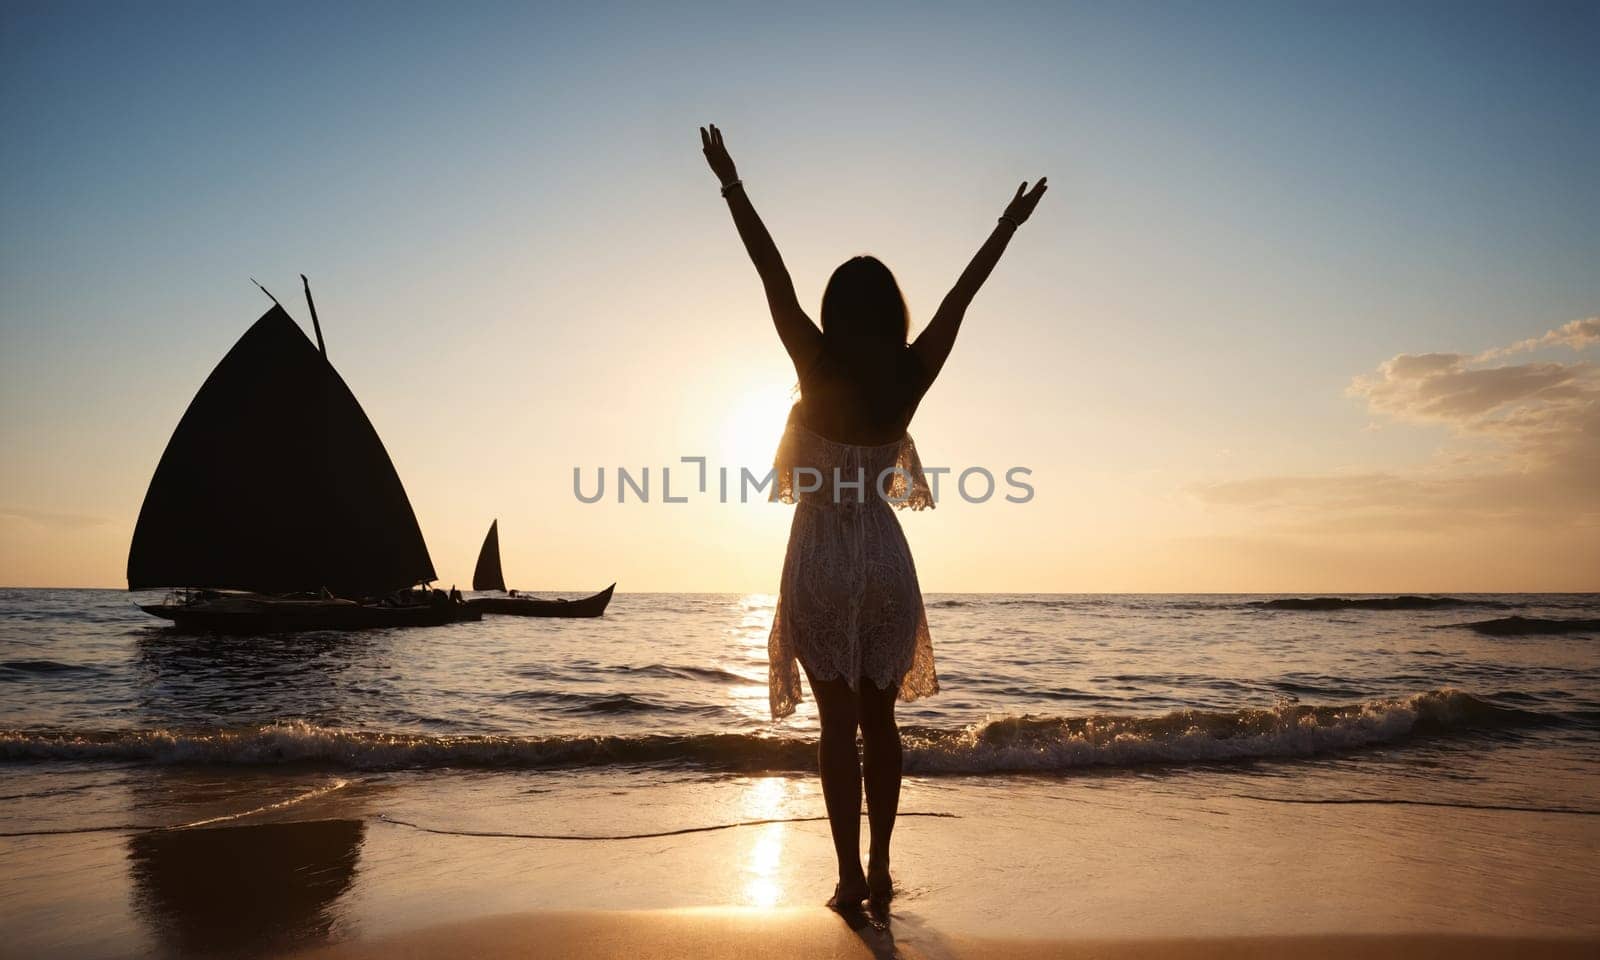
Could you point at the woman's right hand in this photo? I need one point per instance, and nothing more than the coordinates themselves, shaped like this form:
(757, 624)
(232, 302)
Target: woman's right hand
(1021, 206)
(717, 155)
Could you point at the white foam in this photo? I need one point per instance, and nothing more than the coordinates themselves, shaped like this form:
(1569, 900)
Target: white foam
(1003, 744)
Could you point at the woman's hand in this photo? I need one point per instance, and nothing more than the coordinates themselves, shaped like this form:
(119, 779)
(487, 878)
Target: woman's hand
(1021, 206)
(717, 155)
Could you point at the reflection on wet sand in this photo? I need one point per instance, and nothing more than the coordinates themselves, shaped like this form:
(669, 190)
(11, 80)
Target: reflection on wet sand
(762, 864)
(243, 890)
(253, 889)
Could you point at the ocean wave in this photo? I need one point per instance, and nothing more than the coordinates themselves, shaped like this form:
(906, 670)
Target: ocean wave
(305, 743)
(1046, 602)
(1289, 730)
(43, 666)
(1002, 745)
(574, 702)
(690, 672)
(1375, 603)
(1527, 626)
(24, 669)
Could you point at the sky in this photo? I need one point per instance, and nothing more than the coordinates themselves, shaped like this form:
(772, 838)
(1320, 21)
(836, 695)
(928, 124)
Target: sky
(1310, 306)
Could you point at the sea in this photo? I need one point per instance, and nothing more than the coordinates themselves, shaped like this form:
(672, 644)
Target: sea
(113, 726)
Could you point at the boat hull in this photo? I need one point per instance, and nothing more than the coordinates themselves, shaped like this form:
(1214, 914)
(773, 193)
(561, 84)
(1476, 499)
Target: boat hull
(292, 616)
(531, 607)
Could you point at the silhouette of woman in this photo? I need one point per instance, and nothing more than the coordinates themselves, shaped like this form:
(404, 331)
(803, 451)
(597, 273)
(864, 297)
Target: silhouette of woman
(850, 609)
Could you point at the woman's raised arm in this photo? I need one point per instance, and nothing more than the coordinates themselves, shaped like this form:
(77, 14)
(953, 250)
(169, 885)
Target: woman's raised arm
(934, 343)
(799, 335)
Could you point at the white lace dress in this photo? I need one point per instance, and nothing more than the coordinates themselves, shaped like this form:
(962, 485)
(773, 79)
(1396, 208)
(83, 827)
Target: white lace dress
(849, 604)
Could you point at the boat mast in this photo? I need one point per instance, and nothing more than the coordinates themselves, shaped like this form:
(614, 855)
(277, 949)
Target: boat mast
(266, 291)
(314, 324)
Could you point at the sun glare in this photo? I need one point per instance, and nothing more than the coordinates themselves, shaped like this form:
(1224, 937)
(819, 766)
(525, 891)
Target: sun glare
(752, 426)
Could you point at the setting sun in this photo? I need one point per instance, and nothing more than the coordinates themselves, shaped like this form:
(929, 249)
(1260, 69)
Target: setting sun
(752, 425)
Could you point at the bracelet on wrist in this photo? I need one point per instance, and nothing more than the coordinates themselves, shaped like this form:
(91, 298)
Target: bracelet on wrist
(1015, 223)
(729, 186)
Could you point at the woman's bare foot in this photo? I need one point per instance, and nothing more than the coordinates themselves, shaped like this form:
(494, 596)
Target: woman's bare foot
(849, 892)
(880, 886)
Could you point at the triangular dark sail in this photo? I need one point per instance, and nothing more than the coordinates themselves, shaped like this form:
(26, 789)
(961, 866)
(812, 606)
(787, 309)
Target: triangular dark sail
(487, 576)
(275, 481)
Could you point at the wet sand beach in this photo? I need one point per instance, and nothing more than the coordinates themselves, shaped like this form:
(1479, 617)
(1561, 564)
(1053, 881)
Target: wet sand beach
(395, 865)
(734, 935)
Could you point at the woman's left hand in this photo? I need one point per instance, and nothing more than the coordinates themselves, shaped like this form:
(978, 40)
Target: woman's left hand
(717, 155)
(1021, 206)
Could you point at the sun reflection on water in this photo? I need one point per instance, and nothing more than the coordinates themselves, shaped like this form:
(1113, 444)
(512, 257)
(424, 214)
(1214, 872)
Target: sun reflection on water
(762, 867)
(761, 886)
(762, 864)
(748, 647)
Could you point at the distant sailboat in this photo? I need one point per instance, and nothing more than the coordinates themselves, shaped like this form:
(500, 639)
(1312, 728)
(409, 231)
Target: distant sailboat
(488, 576)
(276, 484)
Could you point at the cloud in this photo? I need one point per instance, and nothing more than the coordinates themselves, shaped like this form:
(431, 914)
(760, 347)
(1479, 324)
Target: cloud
(45, 518)
(1350, 490)
(1437, 498)
(1576, 334)
(1536, 414)
(1523, 454)
(1443, 387)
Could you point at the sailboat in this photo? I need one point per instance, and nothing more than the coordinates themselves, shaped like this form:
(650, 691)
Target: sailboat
(488, 576)
(276, 507)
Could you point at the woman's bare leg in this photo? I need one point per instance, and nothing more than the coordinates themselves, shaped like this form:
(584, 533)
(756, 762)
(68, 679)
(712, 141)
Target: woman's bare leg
(841, 783)
(881, 764)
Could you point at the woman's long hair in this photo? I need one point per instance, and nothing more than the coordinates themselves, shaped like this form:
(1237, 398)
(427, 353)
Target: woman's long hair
(863, 307)
(865, 324)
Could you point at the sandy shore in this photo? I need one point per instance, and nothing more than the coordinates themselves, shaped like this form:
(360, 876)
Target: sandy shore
(715, 934)
(472, 865)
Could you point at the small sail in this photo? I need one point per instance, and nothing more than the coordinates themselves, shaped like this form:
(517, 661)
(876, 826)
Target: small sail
(275, 481)
(487, 576)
